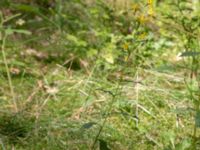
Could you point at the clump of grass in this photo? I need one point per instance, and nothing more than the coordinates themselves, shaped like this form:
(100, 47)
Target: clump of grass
(14, 127)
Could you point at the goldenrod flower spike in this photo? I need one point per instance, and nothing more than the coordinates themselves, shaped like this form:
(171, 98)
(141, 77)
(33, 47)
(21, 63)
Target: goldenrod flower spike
(142, 19)
(125, 46)
(150, 2)
(150, 10)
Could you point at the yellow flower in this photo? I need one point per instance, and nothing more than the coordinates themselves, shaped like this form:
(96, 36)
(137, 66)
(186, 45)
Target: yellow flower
(150, 11)
(126, 58)
(142, 19)
(150, 2)
(126, 46)
(135, 7)
(142, 36)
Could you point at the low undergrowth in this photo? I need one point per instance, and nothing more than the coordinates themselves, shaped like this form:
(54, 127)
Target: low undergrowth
(101, 75)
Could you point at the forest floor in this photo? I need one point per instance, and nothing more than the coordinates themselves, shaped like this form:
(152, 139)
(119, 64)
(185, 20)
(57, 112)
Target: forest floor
(59, 108)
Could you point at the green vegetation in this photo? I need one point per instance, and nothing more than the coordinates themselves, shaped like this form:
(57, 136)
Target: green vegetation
(101, 74)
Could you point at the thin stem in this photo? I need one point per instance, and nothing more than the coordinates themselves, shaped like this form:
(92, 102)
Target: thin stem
(106, 117)
(8, 72)
(195, 134)
(137, 99)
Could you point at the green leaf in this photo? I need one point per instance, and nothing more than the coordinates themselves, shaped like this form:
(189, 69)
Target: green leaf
(88, 125)
(26, 8)
(109, 58)
(190, 53)
(21, 31)
(103, 145)
(184, 145)
(72, 38)
(76, 41)
(109, 52)
(11, 17)
(18, 63)
(92, 52)
(10, 31)
(197, 119)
